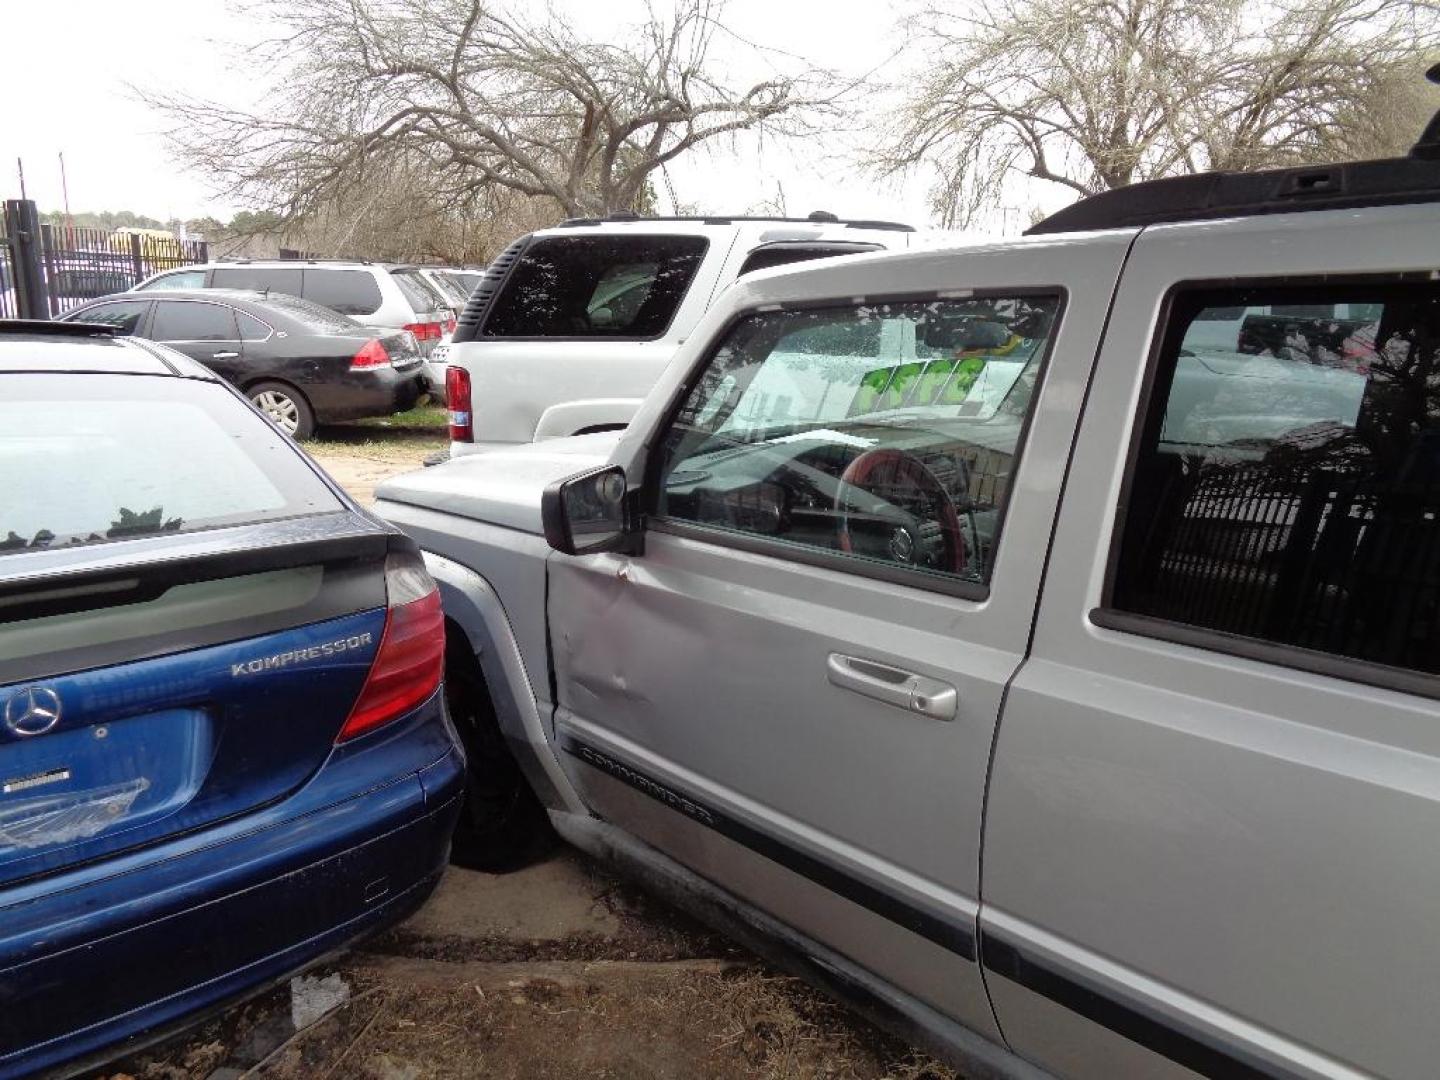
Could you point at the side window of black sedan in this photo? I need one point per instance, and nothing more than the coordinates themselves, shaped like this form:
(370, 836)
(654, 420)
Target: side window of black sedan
(123, 315)
(189, 320)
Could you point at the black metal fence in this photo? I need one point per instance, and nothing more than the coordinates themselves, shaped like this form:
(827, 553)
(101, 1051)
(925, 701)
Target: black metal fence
(46, 269)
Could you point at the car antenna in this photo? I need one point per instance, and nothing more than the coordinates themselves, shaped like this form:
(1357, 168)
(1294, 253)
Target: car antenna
(1429, 145)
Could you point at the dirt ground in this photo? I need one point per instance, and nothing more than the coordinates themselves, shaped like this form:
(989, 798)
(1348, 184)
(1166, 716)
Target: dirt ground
(557, 971)
(560, 970)
(362, 455)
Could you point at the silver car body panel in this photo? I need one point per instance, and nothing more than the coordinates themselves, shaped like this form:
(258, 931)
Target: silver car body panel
(1252, 849)
(469, 600)
(504, 487)
(693, 688)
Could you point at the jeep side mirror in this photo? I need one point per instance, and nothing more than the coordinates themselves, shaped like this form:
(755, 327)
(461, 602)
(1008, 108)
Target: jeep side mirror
(587, 513)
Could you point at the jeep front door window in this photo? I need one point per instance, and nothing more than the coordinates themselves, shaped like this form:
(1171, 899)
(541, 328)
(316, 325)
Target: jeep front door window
(881, 433)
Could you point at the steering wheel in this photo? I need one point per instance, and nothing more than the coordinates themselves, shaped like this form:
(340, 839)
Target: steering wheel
(902, 479)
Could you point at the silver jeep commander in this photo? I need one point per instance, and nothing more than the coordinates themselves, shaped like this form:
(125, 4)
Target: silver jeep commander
(1037, 644)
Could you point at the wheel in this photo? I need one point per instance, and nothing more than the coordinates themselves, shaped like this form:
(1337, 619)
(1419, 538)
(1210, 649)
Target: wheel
(502, 825)
(917, 524)
(287, 408)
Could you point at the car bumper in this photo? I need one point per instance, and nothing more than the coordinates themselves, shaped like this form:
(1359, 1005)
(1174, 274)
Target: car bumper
(379, 392)
(93, 961)
(434, 376)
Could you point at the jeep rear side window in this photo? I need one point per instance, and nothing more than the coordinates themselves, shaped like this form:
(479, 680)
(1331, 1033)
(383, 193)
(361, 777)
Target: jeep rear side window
(1286, 487)
(883, 435)
(596, 286)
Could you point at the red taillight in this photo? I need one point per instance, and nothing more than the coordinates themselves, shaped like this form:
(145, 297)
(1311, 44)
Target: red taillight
(450, 325)
(411, 659)
(457, 400)
(425, 331)
(371, 355)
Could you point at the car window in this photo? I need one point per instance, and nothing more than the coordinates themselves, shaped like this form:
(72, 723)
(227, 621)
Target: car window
(885, 434)
(350, 292)
(596, 286)
(191, 320)
(280, 279)
(419, 293)
(184, 279)
(464, 281)
(322, 320)
(251, 328)
(764, 258)
(89, 458)
(1286, 485)
(124, 315)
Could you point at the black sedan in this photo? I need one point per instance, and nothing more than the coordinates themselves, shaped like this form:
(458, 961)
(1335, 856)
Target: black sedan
(300, 363)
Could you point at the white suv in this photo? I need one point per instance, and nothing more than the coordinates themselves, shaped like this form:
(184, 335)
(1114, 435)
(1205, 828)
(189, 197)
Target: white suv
(571, 326)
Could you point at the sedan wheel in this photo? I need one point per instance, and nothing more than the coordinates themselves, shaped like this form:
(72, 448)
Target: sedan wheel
(287, 409)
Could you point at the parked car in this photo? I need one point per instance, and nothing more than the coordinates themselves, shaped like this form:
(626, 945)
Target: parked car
(382, 296)
(443, 283)
(299, 363)
(224, 748)
(571, 326)
(985, 633)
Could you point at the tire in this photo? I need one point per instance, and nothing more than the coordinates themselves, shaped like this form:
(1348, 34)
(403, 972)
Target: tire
(285, 406)
(502, 825)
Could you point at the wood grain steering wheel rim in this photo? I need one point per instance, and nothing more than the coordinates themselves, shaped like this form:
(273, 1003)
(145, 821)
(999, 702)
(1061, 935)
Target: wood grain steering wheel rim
(896, 465)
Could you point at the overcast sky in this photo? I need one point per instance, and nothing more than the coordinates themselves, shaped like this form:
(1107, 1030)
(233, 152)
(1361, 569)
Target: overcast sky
(67, 93)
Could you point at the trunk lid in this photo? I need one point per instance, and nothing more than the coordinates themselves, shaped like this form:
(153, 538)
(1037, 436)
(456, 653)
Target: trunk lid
(199, 678)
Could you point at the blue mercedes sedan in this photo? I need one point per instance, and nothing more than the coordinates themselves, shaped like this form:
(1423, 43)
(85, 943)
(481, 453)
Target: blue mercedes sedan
(224, 748)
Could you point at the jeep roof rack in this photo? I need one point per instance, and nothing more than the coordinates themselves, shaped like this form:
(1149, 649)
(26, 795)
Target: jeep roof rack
(817, 217)
(1385, 182)
(1200, 196)
(56, 329)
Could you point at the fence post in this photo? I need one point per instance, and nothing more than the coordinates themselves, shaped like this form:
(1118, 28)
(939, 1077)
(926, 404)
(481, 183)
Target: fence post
(140, 274)
(22, 226)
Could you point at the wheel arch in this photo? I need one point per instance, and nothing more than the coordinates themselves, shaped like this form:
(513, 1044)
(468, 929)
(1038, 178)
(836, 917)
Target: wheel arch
(473, 609)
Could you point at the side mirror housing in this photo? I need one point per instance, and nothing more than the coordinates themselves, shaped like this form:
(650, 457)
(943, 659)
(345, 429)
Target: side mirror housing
(588, 513)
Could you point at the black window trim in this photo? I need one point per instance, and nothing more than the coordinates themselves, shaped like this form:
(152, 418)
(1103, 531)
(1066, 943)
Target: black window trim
(754, 543)
(481, 335)
(1290, 657)
(241, 311)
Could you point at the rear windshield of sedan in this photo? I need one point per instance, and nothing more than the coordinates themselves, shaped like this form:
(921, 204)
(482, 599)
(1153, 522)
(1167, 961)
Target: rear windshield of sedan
(87, 459)
(312, 316)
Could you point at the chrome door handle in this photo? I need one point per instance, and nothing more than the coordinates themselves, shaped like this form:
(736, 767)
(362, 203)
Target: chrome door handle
(894, 686)
(224, 355)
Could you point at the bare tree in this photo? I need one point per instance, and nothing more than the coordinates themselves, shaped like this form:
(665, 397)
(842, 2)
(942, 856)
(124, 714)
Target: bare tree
(1098, 94)
(480, 99)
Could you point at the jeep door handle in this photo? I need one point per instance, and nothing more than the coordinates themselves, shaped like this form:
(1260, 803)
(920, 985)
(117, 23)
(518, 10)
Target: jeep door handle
(894, 686)
(224, 355)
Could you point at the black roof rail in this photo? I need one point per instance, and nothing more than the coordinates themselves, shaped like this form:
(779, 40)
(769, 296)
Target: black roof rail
(1202, 196)
(236, 260)
(56, 329)
(1341, 186)
(819, 217)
